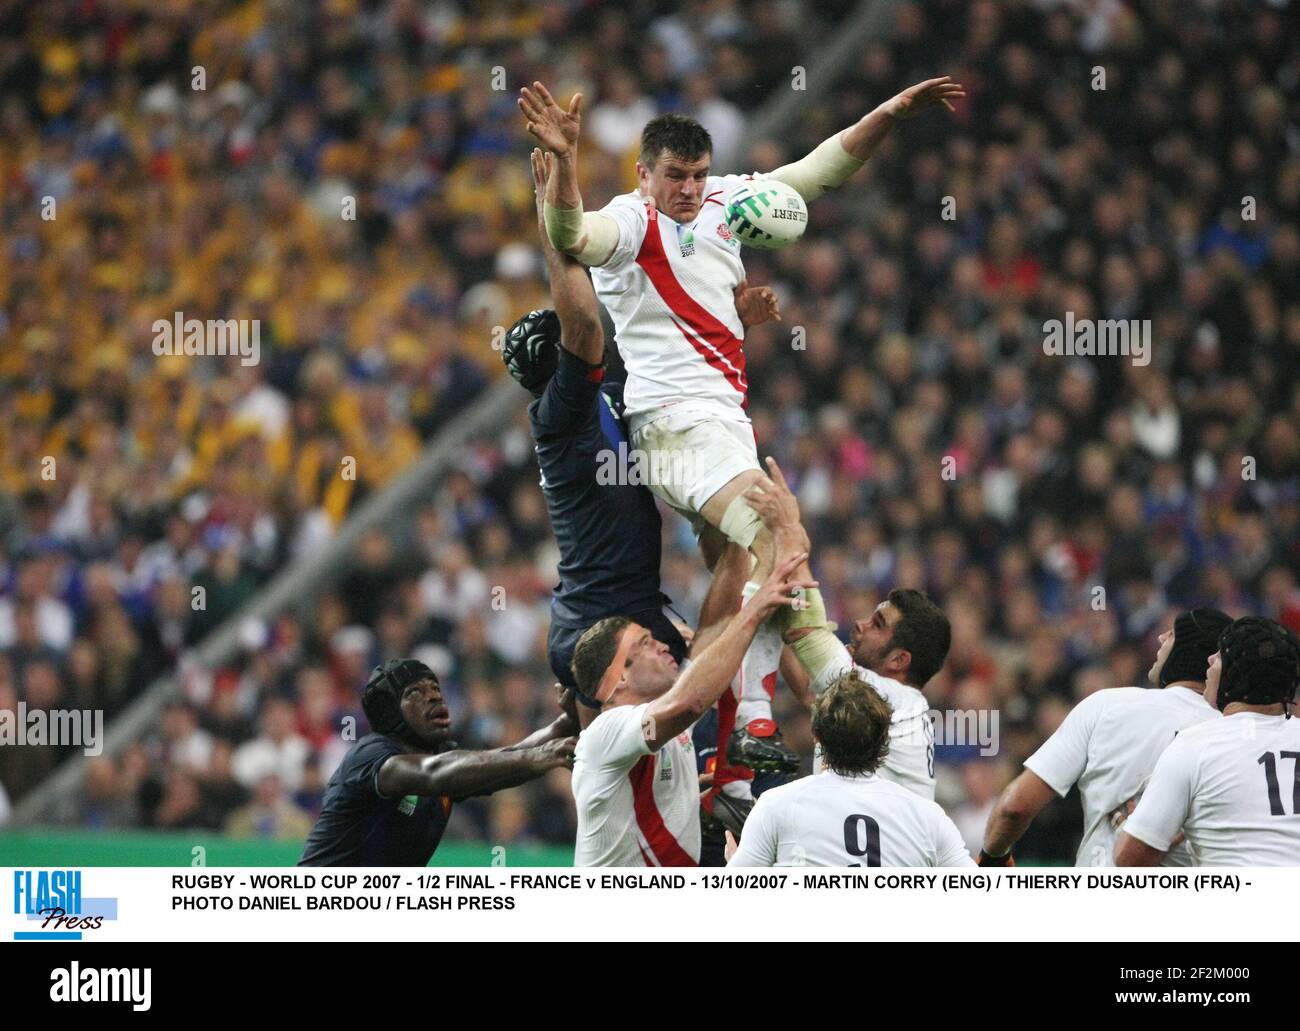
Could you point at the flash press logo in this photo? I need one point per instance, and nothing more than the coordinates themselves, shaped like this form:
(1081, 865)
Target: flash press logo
(75, 983)
(218, 338)
(54, 898)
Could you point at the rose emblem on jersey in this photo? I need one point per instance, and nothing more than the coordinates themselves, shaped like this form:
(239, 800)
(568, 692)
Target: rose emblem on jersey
(725, 232)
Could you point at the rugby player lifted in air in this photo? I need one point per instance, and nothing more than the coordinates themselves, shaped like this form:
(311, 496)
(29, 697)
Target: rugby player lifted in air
(666, 268)
(607, 528)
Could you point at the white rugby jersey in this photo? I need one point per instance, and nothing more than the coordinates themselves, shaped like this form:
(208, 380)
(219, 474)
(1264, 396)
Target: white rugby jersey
(1108, 745)
(830, 820)
(670, 289)
(1233, 787)
(635, 808)
(910, 761)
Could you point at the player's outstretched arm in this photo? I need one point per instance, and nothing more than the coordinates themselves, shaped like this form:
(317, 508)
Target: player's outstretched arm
(590, 237)
(464, 774)
(1023, 800)
(837, 158)
(571, 290)
(723, 599)
(712, 671)
(564, 725)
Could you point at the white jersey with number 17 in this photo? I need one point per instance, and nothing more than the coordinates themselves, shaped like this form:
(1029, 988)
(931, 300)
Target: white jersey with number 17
(1233, 787)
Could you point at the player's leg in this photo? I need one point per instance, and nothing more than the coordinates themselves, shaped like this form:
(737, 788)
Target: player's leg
(701, 466)
(710, 463)
(727, 511)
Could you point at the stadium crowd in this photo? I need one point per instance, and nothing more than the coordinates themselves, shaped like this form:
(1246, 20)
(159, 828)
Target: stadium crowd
(1058, 508)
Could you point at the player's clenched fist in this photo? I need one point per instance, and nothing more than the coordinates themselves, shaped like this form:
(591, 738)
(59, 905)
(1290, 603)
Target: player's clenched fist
(557, 753)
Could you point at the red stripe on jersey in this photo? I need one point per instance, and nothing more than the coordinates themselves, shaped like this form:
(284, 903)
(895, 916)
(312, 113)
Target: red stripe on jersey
(714, 342)
(660, 839)
(725, 773)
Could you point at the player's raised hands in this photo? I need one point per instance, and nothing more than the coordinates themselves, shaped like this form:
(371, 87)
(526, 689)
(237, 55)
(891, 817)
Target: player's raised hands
(554, 128)
(756, 305)
(543, 163)
(924, 95)
(783, 588)
(773, 500)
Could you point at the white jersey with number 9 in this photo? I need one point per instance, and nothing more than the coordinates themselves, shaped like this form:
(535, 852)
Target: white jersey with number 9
(831, 820)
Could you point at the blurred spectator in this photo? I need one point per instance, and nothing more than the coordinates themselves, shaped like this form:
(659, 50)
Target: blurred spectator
(271, 815)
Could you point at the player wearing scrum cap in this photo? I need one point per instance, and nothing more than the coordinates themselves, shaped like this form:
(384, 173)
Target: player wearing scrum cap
(848, 815)
(1109, 744)
(391, 796)
(634, 774)
(666, 266)
(1231, 786)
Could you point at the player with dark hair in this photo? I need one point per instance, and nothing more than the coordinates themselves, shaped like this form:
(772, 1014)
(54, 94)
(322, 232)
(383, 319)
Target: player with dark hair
(1109, 744)
(848, 815)
(389, 800)
(896, 649)
(1231, 786)
(634, 777)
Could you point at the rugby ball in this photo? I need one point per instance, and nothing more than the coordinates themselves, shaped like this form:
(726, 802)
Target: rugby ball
(766, 213)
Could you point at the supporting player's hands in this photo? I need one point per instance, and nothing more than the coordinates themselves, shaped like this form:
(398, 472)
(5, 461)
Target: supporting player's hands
(783, 588)
(777, 506)
(554, 128)
(756, 305)
(1119, 816)
(924, 95)
(556, 754)
(543, 164)
(731, 846)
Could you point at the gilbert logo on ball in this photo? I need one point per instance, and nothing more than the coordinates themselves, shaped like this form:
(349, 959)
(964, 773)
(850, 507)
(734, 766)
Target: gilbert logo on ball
(766, 213)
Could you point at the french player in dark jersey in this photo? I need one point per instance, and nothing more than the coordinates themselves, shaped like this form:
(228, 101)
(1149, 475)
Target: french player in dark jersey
(390, 798)
(607, 527)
